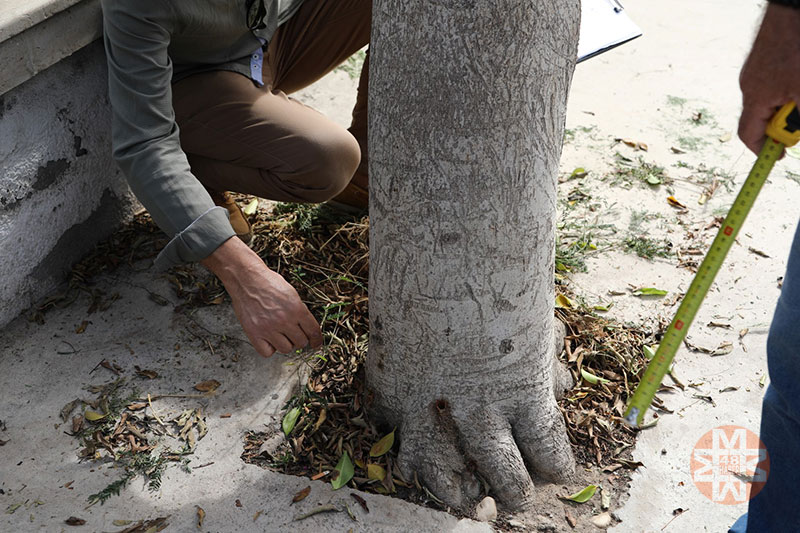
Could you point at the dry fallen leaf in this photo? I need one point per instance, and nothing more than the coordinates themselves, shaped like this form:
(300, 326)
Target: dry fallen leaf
(361, 501)
(724, 348)
(570, 519)
(80, 329)
(201, 515)
(157, 298)
(382, 446)
(77, 424)
(376, 472)
(321, 509)
(671, 200)
(67, 409)
(149, 374)
(147, 526)
(92, 416)
(74, 521)
(302, 494)
(114, 368)
(322, 416)
(350, 514)
(207, 386)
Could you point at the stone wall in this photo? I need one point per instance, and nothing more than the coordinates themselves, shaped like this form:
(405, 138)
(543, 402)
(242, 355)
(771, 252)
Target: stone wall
(60, 191)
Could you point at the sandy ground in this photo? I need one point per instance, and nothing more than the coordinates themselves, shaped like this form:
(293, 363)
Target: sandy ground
(674, 87)
(651, 91)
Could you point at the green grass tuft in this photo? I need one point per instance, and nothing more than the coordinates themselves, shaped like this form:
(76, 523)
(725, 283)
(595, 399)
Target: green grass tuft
(647, 247)
(629, 172)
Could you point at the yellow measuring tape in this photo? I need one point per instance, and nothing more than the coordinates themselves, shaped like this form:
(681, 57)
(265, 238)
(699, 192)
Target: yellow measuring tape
(783, 130)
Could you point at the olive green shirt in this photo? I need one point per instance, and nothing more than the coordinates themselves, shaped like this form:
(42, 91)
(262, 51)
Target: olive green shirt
(150, 44)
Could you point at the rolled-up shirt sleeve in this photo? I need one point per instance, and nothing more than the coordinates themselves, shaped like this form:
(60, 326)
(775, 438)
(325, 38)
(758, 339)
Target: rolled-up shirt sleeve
(145, 137)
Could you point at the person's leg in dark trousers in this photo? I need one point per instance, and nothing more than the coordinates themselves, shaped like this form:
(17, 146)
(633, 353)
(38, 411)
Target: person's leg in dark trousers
(256, 140)
(774, 509)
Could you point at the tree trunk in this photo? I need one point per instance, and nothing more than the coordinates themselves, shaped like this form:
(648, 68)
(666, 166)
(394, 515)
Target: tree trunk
(467, 106)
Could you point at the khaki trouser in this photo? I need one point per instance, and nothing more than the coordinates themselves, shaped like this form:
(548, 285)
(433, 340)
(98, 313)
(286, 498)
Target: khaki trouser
(255, 140)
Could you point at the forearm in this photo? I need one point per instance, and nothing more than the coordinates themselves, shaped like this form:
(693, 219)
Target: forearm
(232, 261)
(146, 142)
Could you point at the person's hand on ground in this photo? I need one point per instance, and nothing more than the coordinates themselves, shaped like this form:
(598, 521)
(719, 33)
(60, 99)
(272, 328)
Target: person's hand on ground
(271, 313)
(770, 77)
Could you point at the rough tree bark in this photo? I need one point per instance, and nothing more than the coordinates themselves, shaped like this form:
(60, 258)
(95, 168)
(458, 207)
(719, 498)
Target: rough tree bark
(467, 107)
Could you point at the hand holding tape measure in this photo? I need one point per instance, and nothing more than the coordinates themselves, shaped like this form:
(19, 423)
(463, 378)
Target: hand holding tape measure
(782, 131)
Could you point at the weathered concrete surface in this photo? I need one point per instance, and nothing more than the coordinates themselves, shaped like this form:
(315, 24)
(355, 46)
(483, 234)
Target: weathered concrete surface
(60, 191)
(688, 61)
(44, 367)
(16, 16)
(35, 35)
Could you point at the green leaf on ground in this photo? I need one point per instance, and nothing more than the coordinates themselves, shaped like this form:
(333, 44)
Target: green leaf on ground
(382, 446)
(344, 472)
(579, 172)
(250, 208)
(376, 472)
(649, 291)
(92, 416)
(650, 351)
(13, 507)
(289, 420)
(562, 302)
(591, 378)
(583, 496)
